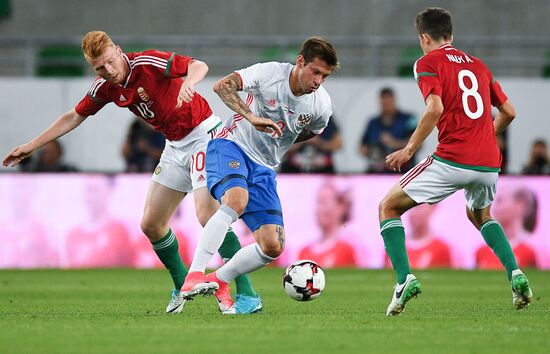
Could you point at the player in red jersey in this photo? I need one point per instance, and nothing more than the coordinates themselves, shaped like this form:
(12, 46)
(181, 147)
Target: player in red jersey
(151, 85)
(458, 90)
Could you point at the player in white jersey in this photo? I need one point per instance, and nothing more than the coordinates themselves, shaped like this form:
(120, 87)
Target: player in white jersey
(286, 104)
(270, 96)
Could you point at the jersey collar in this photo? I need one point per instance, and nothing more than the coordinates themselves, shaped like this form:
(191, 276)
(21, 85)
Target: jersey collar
(129, 67)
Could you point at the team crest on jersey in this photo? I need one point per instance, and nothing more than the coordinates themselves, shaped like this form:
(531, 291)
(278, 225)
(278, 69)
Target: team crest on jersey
(157, 170)
(272, 102)
(304, 119)
(234, 164)
(143, 94)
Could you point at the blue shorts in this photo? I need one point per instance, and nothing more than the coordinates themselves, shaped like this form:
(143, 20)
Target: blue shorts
(228, 166)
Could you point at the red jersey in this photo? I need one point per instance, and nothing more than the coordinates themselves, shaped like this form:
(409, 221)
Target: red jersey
(435, 254)
(467, 89)
(333, 254)
(102, 244)
(525, 257)
(151, 92)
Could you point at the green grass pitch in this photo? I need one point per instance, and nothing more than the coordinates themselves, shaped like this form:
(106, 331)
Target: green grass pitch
(122, 311)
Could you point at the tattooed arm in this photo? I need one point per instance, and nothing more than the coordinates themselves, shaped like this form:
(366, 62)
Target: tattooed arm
(227, 89)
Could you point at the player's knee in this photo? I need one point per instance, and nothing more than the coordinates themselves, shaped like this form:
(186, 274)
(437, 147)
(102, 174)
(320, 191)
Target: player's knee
(271, 247)
(472, 218)
(391, 207)
(236, 198)
(479, 216)
(271, 240)
(203, 216)
(152, 230)
(385, 208)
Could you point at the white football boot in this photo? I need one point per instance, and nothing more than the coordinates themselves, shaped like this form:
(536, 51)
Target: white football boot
(176, 303)
(402, 293)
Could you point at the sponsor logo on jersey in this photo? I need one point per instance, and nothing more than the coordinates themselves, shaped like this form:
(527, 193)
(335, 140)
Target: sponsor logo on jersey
(143, 94)
(201, 178)
(158, 169)
(272, 102)
(122, 98)
(234, 164)
(304, 119)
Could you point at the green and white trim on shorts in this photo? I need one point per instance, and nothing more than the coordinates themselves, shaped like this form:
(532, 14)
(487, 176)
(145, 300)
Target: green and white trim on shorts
(467, 167)
(434, 179)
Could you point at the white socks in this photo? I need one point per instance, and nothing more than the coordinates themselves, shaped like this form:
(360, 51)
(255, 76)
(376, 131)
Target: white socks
(212, 237)
(246, 260)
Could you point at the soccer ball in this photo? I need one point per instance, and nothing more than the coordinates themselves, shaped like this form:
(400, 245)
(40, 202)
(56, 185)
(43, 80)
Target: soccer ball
(304, 280)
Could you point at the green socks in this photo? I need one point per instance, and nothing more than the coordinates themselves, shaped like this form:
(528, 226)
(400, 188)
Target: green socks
(229, 247)
(496, 239)
(393, 234)
(167, 250)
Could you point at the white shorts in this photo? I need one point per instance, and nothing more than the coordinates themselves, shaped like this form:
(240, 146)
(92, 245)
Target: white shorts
(432, 181)
(182, 164)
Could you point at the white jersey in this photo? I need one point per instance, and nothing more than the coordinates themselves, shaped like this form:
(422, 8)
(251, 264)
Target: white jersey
(269, 96)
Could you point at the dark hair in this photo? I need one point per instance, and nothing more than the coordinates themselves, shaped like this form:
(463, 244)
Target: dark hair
(317, 47)
(539, 141)
(436, 22)
(343, 197)
(386, 91)
(529, 199)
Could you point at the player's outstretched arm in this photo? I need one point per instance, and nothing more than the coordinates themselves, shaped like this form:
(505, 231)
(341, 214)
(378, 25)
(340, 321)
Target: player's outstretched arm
(62, 125)
(196, 71)
(227, 89)
(427, 122)
(505, 116)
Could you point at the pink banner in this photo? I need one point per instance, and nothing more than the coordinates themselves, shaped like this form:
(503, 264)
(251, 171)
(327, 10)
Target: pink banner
(84, 221)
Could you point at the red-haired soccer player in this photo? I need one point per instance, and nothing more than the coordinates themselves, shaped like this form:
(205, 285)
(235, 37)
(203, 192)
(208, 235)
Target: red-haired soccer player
(151, 85)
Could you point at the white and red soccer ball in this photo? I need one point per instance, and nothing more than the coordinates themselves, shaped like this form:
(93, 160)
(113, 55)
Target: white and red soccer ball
(304, 280)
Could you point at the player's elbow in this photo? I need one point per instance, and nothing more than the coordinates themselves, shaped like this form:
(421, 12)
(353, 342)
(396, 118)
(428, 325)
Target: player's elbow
(218, 86)
(72, 119)
(200, 65)
(508, 111)
(434, 106)
(435, 109)
(510, 117)
(511, 114)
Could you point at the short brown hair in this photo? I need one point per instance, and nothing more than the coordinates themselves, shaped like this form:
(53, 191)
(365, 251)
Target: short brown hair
(317, 47)
(387, 91)
(436, 22)
(94, 43)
